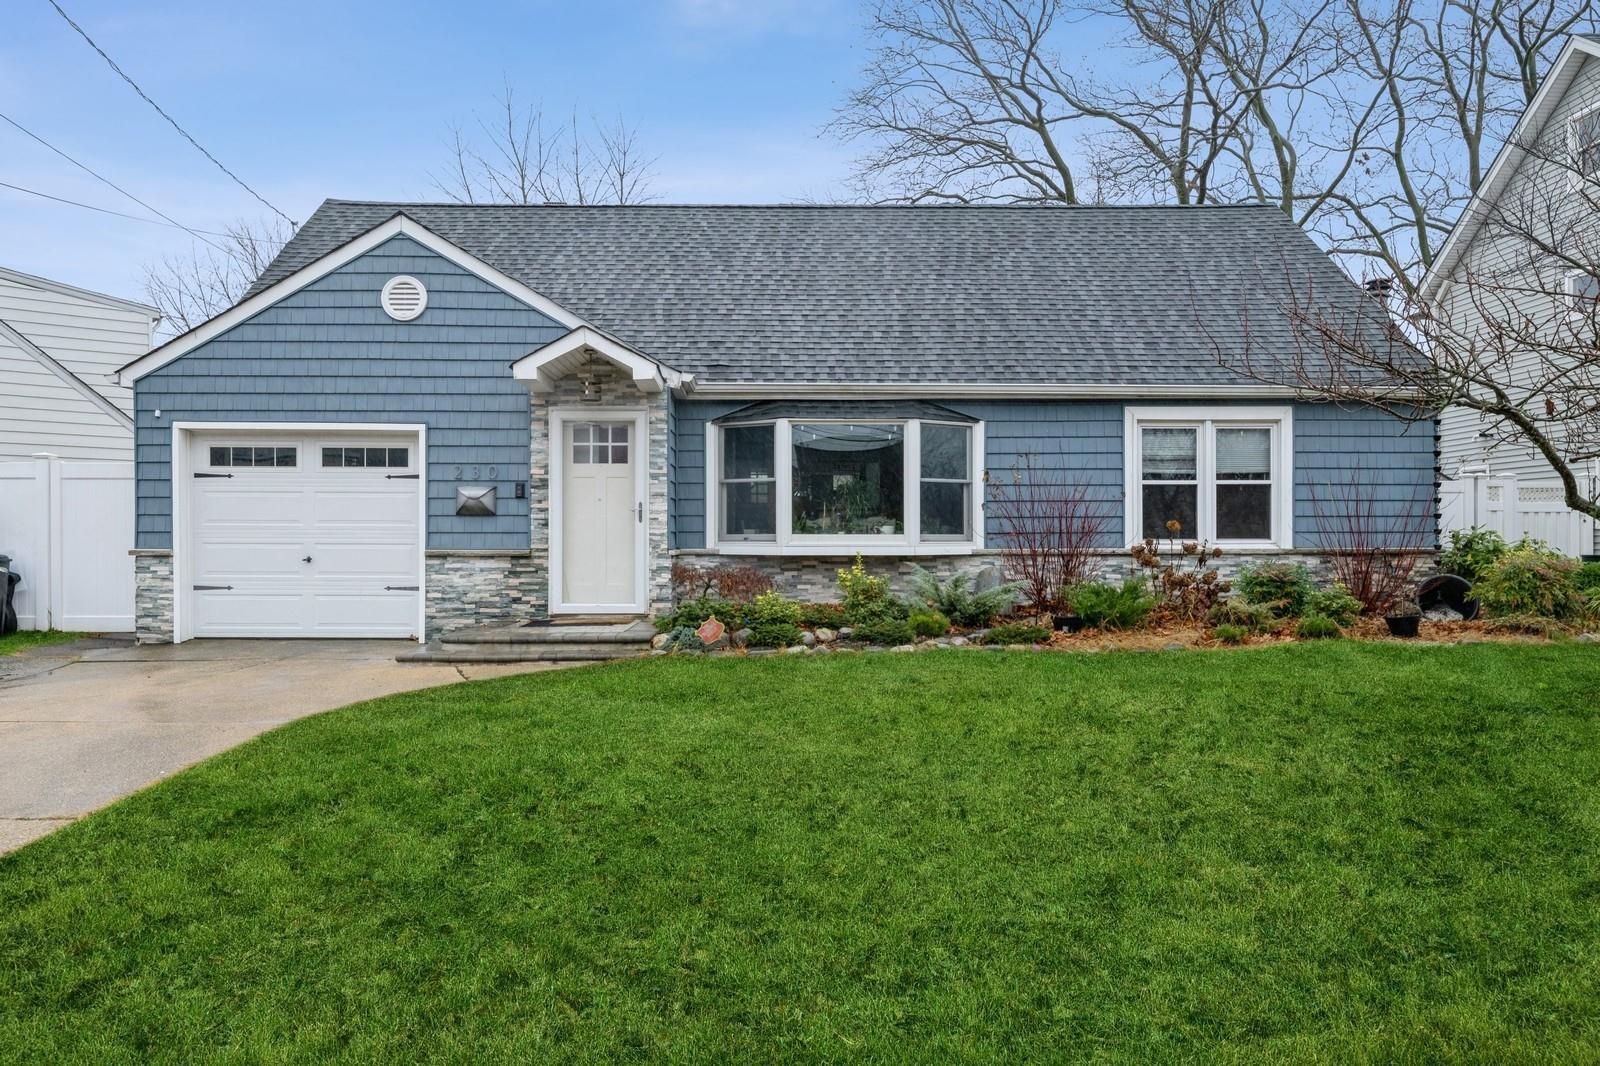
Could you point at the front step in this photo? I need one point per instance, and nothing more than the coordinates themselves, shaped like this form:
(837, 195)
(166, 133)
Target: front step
(536, 644)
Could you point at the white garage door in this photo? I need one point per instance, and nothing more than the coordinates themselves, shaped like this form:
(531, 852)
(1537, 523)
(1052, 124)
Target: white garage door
(295, 536)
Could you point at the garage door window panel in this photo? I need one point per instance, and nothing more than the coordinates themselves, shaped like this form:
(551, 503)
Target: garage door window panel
(252, 456)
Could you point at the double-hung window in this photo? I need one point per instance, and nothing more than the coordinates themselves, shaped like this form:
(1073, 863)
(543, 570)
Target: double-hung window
(749, 484)
(844, 485)
(1583, 145)
(1214, 474)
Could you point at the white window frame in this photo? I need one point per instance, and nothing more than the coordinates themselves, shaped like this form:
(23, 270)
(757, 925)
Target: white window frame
(787, 542)
(1575, 176)
(1574, 308)
(1278, 419)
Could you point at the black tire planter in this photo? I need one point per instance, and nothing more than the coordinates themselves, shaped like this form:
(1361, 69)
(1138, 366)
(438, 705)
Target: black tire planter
(1403, 625)
(1448, 590)
(1068, 623)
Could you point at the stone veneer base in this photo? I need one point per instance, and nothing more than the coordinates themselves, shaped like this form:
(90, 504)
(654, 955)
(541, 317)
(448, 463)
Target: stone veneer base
(814, 578)
(152, 598)
(478, 590)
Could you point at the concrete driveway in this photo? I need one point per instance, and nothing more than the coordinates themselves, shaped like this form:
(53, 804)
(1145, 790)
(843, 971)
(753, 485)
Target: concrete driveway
(86, 723)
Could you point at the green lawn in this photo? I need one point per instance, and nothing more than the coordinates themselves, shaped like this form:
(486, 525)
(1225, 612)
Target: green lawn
(23, 639)
(1328, 853)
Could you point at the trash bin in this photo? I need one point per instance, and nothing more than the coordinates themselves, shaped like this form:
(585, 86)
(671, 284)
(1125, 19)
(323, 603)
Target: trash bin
(8, 585)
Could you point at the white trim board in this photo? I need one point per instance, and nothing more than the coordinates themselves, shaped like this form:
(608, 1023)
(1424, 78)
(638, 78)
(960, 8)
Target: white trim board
(545, 365)
(1280, 419)
(554, 514)
(398, 226)
(978, 390)
(182, 484)
(910, 544)
(1527, 130)
(61, 288)
(73, 381)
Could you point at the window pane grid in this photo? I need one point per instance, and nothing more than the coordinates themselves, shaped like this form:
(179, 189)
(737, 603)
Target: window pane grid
(252, 456)
(1216, 479)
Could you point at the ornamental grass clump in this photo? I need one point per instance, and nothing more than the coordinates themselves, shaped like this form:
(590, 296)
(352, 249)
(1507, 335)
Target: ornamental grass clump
(1230, 634)
(1017, 633)
(1317, 627)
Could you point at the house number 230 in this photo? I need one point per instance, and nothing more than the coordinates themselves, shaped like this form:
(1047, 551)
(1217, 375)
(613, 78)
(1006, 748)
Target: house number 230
(477, 472)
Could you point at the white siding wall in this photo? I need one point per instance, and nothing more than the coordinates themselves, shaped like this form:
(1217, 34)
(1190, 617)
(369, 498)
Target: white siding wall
(91, 338)
(1497, 255)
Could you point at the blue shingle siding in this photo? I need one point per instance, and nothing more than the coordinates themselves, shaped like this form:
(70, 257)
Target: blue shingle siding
(1082, 444)
(328, 353)
(1392, 460)
(686, 516)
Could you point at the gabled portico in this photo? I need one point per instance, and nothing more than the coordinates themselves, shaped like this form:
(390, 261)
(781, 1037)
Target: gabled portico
(598, 487)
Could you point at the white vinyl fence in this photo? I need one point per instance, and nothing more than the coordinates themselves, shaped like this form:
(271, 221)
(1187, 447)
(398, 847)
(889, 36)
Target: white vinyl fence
(1516, 509)
(68, 526)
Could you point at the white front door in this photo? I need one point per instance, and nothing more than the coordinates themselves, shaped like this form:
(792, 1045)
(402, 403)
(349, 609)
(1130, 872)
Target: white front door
(601, 519)
(298, 536)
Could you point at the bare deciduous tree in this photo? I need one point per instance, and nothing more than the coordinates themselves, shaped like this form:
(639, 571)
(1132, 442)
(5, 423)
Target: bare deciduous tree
(516, 157)
(1368, 123)
(190, 288)
(1514, 337)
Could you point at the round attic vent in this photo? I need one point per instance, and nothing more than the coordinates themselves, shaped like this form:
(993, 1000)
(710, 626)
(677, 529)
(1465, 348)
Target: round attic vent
(403, 298)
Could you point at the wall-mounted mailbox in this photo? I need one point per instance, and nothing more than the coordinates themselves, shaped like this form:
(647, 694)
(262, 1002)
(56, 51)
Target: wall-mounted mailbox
(475, 501)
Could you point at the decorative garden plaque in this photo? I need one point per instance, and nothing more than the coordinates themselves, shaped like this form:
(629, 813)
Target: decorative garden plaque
(710, 631)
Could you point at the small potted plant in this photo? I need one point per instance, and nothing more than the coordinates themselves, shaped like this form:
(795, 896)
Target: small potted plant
(1403, 618)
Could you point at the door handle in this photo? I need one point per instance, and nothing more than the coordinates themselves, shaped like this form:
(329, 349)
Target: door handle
(641, 512)
(307, 559)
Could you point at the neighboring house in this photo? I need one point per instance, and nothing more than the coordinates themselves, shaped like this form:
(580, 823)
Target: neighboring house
(1514, 238)
(60, 347)
(426, 416)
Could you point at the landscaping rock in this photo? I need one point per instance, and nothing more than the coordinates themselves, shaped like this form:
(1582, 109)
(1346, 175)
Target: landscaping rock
(1442, 612)
(904, 647)
(660, 640)
(659, 651)
(722, 643)
(740, 638)
(808, 639)
(844, 633)
(826, 635)
(795, 649)
(1586, 638)
(763, 651)
(959, 642)
(977, 635)
(1017, 647)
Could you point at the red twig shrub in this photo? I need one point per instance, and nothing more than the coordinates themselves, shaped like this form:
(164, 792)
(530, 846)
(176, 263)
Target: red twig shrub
(1050, 530)
(1373, 547)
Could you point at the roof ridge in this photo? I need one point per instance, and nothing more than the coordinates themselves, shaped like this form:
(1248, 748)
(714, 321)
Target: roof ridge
(399, 204)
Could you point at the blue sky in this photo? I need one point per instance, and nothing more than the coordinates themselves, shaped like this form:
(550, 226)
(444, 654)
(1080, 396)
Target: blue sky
(355, 99)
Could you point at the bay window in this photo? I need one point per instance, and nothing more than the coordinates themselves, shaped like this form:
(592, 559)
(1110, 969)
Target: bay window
(836, 485)
(1222, 474)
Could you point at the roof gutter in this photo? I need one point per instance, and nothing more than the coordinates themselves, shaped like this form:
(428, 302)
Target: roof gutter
(735, 390)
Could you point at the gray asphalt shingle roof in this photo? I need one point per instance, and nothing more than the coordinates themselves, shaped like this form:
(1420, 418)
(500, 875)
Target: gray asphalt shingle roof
(1084, 295)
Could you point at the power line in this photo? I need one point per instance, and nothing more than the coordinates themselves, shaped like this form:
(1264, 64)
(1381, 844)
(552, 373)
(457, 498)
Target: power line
(102, 178)
(174, 122)
(124, 214)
